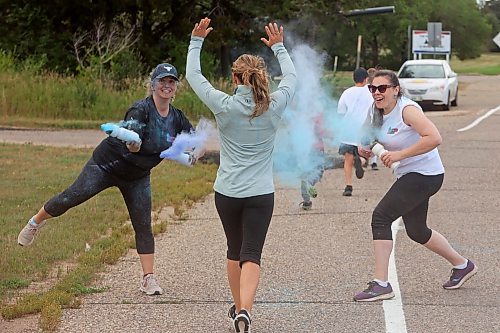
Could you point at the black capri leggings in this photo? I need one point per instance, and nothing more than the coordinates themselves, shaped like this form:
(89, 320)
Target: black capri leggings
(245, 222)
(408, 197)
(136, 193)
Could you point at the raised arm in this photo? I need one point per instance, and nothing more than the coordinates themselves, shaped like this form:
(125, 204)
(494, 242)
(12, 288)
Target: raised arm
(212, 97)
(286, 88)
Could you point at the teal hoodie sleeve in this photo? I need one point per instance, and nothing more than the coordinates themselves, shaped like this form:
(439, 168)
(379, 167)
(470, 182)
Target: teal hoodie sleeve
(286, 89)
(216, 100)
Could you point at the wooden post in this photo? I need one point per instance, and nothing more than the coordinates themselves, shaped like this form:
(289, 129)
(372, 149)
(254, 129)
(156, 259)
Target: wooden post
(358, 51)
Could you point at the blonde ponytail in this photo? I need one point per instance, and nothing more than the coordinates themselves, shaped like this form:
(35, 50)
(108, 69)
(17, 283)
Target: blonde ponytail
(251, 71)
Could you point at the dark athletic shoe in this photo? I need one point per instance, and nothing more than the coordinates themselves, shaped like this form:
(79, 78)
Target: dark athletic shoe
(347, 191)
(374, 292)
(360, 172)
(459, 276)
(231, 314)
(313, 192)
(242, 322)
(306, 205)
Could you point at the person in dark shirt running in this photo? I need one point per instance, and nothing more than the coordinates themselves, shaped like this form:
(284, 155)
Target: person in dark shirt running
(127, 165)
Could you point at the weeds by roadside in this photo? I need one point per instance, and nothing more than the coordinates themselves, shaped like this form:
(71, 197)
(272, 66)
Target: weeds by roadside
(29, 176)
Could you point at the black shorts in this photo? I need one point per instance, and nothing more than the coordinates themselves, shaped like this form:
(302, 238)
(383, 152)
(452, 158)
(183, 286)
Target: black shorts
(245, 222)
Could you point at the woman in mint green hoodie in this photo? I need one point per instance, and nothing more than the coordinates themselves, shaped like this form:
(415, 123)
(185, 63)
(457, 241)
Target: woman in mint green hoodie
(244, 188)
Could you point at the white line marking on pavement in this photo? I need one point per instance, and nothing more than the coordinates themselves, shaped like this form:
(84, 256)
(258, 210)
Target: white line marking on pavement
(480, 119)
(395, 321)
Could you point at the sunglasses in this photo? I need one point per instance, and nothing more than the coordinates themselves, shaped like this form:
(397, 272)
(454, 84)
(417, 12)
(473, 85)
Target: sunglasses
(382, 88)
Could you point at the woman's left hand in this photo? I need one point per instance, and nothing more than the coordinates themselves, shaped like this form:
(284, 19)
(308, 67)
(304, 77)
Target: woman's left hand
(202, 28)
(274, 33)
(390, 157)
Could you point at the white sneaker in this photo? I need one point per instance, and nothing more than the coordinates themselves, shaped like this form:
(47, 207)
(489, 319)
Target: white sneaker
(30, 230)
(149, 286)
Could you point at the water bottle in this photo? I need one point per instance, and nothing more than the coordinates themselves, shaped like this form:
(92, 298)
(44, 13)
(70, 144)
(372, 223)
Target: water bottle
(378, 150)
(120, 133)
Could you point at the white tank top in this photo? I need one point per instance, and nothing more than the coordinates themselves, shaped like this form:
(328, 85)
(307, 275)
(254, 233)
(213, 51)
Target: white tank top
(396, 135)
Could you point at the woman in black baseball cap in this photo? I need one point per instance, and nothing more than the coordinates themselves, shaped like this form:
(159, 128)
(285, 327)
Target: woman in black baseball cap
(127, 165)
(164, 70)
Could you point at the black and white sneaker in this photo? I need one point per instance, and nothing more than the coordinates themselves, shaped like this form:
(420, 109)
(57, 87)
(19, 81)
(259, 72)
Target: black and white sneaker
(231, 314)
(242, 322)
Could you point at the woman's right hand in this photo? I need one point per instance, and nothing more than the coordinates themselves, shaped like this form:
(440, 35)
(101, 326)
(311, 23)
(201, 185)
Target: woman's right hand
(274, 34)
(363, 152)
(133, 146)
(202, 28)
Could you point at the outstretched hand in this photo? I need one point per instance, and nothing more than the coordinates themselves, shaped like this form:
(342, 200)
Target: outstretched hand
(274, 34)
(202, 28)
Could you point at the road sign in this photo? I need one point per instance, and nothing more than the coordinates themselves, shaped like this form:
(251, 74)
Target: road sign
(496, 39)
(420, 42)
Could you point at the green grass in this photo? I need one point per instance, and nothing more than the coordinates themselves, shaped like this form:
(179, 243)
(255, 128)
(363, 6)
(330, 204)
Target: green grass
(338, 82)
(29, 176)
(55, 101)
(487, 64)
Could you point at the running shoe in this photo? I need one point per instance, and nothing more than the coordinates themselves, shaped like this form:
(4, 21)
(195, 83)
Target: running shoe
(459, 276)
(242, 322)
(30, 230)
(347, 191)
(358, 166)
(149, 286)
(306, 205)
(313, 192)
(231, 314)
(374, 292)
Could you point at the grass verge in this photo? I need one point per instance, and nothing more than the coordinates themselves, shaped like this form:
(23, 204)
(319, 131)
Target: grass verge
(29, 176)
(486, 64)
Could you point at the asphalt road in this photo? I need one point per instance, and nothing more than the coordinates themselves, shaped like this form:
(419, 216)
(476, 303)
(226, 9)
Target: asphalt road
(314, 261)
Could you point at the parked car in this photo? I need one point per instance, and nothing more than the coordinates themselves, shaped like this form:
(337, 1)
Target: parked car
(429, 81)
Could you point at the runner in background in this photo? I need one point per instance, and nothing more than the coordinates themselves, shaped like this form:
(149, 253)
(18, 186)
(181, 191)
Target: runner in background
(353, 108)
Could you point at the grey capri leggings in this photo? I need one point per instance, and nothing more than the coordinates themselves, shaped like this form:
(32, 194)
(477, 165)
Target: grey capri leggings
(408, 197)
(245, 222)
(136, 193)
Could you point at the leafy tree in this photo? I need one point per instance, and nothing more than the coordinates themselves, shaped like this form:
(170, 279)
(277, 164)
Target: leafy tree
(45, 29)
(462, 17)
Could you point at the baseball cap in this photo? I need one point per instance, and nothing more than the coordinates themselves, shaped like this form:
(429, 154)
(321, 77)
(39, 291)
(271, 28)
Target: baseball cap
(164, 70)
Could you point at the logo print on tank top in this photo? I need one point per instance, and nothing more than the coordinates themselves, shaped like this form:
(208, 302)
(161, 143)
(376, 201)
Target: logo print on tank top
(391, 130)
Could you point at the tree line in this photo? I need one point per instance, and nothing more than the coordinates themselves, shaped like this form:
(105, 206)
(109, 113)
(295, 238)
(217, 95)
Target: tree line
(125, 38)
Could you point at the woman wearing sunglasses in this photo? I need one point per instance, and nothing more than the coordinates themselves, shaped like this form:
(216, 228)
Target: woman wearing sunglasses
(410, 137)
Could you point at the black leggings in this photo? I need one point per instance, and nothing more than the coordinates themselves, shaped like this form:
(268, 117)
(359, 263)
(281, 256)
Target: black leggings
(136, 193)
(408, 197)
(245, 222)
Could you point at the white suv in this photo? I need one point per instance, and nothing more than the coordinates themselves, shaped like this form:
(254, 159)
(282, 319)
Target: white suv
(429, 81)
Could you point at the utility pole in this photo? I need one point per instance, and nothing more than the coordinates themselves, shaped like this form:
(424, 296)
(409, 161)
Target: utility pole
(366, 11)
(358, 51)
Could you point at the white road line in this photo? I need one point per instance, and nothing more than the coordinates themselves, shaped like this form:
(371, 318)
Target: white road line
(480, 119)
(395, 321)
